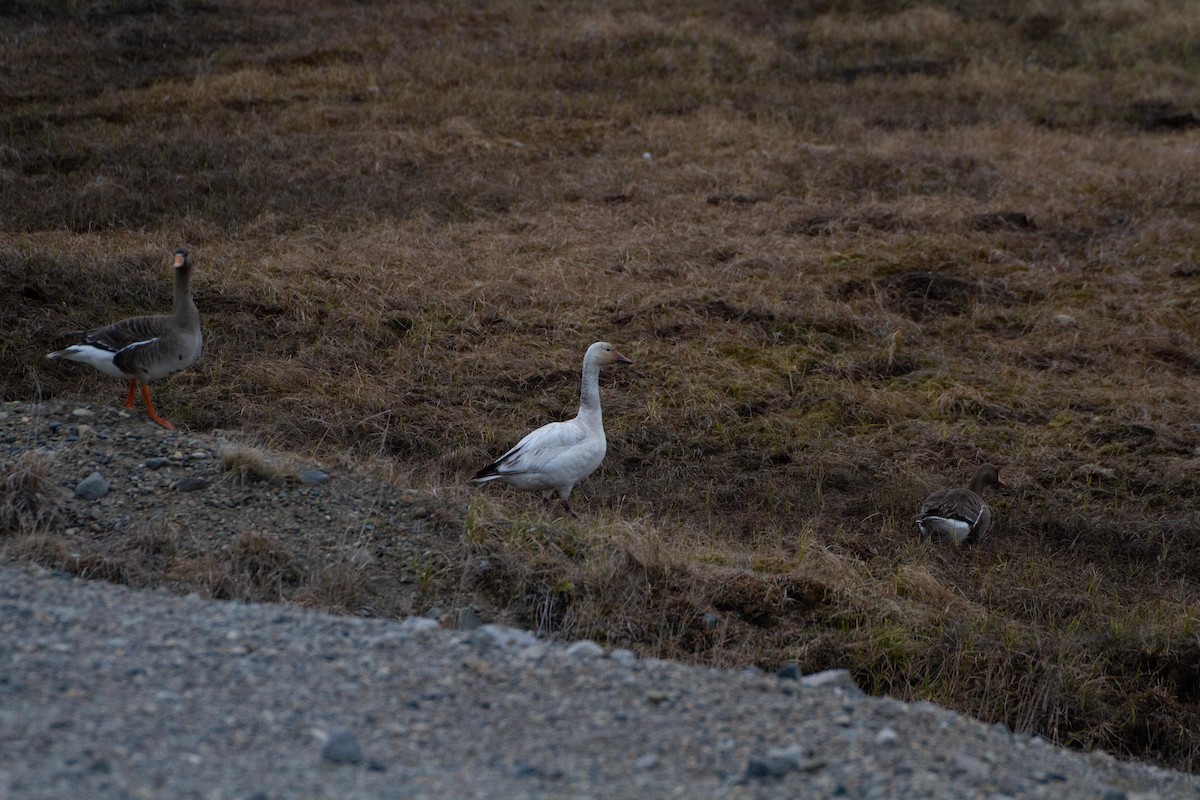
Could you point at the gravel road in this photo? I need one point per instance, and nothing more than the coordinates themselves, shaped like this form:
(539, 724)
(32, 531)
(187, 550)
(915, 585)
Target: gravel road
(112, 692)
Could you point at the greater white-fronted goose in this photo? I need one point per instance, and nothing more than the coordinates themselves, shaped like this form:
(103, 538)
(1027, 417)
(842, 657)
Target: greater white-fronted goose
(145, 349)
(559, 455)
(959, 516)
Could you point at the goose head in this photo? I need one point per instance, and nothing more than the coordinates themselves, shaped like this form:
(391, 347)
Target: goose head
(181, 258)
(986, 475)
(603, 353)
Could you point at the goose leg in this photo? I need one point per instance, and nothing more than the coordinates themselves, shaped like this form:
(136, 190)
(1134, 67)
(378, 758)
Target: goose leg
(129, 397)
(150, 409)
(567, 506)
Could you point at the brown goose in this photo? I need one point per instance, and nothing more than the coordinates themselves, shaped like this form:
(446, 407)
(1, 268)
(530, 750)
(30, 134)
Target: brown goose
(145, 349)
(959, 515)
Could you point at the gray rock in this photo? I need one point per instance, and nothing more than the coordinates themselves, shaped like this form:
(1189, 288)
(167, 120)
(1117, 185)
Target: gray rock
(625, 658)
(93, 487)
(887, 737)
(420, 624)
(831, 678)
(778, 762)
(468, 619)
(710, 621)
(789, 671)
(969, 765)
(585, 648)
(313, 477)
(647, 762)
(505, 637)
(191, 484)
(157, 463)
(342, 747)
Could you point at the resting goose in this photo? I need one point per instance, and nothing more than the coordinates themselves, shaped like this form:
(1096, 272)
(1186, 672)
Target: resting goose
(145, 349)
(557, 456)
(959, 515)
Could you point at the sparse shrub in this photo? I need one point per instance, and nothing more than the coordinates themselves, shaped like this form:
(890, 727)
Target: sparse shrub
(259, 568)
(250, 464)
(30, 500)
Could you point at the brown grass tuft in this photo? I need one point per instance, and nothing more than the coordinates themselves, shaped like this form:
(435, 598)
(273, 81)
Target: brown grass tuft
(250, 464)
(30, 500)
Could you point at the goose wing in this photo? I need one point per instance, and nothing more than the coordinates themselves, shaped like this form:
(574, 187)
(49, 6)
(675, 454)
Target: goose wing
(959, 504)
(541, 450)
(128, 332)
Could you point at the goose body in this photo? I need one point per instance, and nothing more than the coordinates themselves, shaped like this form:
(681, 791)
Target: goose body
(142, 350)
(959, 516)
(555, 457)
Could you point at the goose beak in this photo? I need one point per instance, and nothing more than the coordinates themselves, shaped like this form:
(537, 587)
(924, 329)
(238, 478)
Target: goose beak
(620, 359)
(179, 258)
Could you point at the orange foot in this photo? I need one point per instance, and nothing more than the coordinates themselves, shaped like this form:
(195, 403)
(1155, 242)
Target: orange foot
(150, 409)
(129, 397)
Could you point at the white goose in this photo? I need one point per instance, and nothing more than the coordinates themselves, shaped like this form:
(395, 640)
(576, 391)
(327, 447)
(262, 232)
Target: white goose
(557, 456)
(959, 515)
(145, 349)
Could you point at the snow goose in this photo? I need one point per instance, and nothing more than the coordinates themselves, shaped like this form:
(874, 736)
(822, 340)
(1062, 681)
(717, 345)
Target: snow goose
(959, 515)
(145, 349)
(559, 455)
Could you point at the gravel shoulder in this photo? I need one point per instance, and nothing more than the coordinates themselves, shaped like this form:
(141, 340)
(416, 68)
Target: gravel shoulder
(110, 691)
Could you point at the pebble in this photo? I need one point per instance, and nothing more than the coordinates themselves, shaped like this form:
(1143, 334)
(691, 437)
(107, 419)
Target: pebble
(646, 762)
(420, 624)
(831, 678)
(468, 619)
(342, 747)
(504, 637)
(585, 648)
(157, 463)
(83, 412)
(93, 487)
(710, 621)
(191, 484)
(789, 671)
(625, 658)
(313, 477)
(886, 737)
(778, 762)
(969, 765)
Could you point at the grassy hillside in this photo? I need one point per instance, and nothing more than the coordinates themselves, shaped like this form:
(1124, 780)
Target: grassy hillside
(853, 249)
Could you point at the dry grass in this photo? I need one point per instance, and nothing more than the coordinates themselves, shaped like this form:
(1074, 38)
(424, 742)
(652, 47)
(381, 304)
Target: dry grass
(249, 464)
(30, 500)
(853, 252)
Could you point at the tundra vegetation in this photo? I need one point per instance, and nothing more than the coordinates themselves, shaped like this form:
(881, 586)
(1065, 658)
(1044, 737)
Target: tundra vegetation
(854, 250)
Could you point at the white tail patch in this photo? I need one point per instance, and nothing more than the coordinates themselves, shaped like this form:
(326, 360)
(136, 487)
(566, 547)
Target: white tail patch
(96, 357)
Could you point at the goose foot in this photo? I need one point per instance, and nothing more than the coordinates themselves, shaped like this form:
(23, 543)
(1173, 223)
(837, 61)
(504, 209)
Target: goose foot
(129, 401)
(150, 409)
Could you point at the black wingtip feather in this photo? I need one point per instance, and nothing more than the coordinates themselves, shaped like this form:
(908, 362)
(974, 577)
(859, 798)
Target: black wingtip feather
(490, 469)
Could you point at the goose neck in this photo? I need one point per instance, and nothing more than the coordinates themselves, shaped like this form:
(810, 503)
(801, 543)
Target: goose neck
(589, 392)
(184, 306)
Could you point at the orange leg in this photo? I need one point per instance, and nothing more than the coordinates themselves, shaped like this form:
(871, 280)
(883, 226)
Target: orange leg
(129, 397)
(150, 409)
